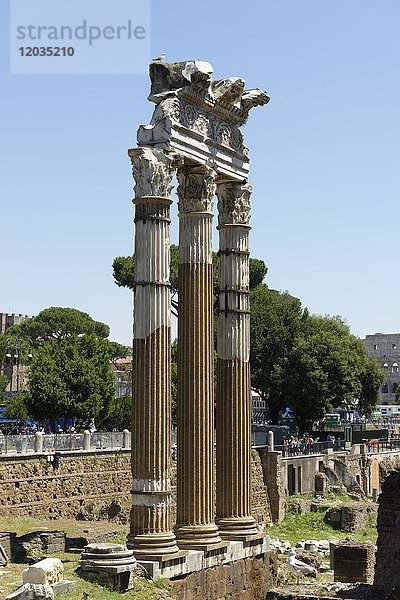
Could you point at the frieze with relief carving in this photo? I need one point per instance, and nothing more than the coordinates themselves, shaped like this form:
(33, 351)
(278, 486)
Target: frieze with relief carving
(200, 122)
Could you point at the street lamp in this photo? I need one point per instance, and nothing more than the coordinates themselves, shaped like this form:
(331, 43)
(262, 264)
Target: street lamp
(16, 362)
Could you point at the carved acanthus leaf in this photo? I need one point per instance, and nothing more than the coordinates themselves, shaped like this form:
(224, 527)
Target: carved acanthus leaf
(234, 203)
(152, 171)
(196, 189)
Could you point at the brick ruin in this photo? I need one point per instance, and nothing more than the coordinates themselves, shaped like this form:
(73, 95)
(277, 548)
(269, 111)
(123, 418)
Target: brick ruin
(387, 571)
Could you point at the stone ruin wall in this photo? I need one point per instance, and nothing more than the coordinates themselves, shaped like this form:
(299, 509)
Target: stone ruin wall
(244, 579)
(73, 486)
(96, 485)
(387, 569)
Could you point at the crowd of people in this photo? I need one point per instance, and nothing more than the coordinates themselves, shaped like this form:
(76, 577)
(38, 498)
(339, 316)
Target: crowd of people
(295, 446)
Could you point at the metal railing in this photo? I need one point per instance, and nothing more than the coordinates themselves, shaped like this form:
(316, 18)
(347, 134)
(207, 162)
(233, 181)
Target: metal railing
(40, 443)
(381, 445)
(303, 449)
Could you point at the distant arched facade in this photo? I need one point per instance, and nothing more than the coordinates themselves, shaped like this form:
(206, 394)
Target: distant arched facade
(385, 347)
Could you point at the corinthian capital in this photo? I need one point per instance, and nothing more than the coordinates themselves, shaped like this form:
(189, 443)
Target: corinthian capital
(234, 203)
(196, 189)
(152, 171)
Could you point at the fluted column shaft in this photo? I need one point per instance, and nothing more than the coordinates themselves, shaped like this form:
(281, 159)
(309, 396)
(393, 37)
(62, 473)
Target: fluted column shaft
(195, 526)
(233, 504)
(150, 524)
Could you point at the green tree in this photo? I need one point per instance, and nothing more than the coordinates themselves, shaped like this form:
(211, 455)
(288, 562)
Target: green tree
(398, 395)
(328, 367)
(117, 351)
(124, 271)
(276, 319)
(119, 416)
(70, 378)
(3, 387)
(16, 407)
(371, 379)
(57, 323)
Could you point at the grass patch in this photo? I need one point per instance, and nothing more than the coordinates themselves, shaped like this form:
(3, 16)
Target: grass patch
(143, 590)
(73, 528)
(111, 532)
(296, 527)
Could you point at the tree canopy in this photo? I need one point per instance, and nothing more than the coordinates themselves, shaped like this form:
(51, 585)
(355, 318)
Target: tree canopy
(310, 364)
(328, 368)
(69, 376)
(70, 379)
(3, 387)
(58, 323)
(124, 272)
(275, 321)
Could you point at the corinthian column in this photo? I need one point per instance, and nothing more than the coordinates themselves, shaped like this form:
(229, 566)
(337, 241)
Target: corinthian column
(233, 388)
(195, 526)
(150, 523)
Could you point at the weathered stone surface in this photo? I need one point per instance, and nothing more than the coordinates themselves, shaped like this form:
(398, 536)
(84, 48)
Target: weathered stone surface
(321, 483)
(354, 563)
(105, 548)
(273, 478)
(299, 506)
(89, 488)
(72, 486)
(387, 573)
(64, 587)
(109, 565)
(279, 595)
(7, 540)
(3, 557)
(245, 579)
(310, 558)
(48, 570)
(352, 517)
(53, 541)
(31, 591)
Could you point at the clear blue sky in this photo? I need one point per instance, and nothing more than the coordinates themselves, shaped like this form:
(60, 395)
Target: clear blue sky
(325, 158)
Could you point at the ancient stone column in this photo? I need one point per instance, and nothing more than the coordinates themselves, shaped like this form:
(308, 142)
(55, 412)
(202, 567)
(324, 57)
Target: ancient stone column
(195, 526)
(150, 527)
(233, 412)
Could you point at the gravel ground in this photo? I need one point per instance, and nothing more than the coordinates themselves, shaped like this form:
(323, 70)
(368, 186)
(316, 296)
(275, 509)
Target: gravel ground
(345, 591)
(360, 591)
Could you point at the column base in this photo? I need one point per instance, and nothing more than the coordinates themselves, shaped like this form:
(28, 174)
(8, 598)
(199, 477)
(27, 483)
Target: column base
(197, 537)
(237, 528)
(155, 545)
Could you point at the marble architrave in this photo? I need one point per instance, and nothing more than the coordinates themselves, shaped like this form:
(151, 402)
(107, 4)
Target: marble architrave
(199, 119)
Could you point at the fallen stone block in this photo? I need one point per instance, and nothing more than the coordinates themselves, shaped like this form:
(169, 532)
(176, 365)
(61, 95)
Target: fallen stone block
(3, 557)
(48, 570)
(64, 587)
(53, 541)
(7, 540)
(31, 591)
